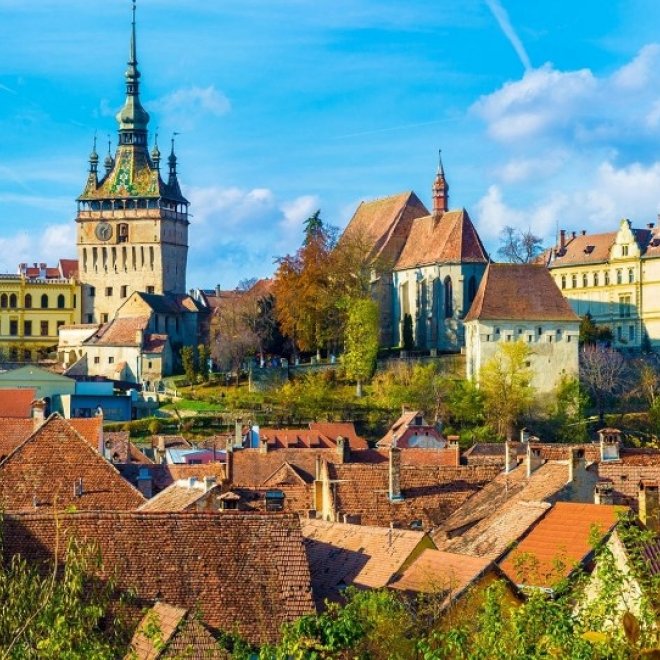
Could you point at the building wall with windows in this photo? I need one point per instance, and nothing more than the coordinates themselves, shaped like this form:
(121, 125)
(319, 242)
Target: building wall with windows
(615, 278)
(31, 312)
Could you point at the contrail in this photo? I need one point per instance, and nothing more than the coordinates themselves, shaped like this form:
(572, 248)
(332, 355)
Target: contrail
(393, 128)
(503, 21)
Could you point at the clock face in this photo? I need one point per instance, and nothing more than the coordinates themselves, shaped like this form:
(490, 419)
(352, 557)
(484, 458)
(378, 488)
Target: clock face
(103, 231)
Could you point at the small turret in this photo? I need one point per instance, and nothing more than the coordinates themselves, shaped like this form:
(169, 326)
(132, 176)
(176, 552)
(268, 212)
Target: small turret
(93, 159)
(155, 153)
(109, 161)
(440, 191)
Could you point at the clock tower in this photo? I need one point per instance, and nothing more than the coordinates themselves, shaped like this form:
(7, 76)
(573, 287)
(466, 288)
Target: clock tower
(132, 225)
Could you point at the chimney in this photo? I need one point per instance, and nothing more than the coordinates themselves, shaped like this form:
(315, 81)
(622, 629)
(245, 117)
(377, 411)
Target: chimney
(192, 481)
(583, 232)
(317, 467)
(510, 458)
(562, 239)
(524, 435)
(343, 449)
(78, 487)
(573, 234)
(649, 506)
(603, 493)
(609, 444)
(263, 445)
(238, 433)
(209, 482)
(38, 412)
(576, 465)
(217, 290)
(533, 460)
(145, 482)
(229, 466)
(651, 225)
(395, 475)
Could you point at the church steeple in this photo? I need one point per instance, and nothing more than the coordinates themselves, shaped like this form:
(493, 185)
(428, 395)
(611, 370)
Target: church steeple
(133, 118)
(440, 191)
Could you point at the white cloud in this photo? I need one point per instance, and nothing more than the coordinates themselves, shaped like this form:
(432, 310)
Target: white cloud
(55, 242)
(502, 18)
(183, 107)
(637, 74)
(524, 168)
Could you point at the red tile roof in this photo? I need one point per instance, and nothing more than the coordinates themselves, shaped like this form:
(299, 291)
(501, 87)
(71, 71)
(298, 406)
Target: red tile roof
(524, 292)
(246, 573)
(435, 571)
(558, 543)
(120, 331)
(17, 402)
(450, 239)
(43, 470)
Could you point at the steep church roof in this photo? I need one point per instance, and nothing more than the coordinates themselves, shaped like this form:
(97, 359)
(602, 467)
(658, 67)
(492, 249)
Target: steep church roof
(133, 172)
(450, 238)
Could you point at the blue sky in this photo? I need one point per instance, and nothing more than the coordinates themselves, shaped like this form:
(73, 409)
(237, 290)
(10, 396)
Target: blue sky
(548, 114)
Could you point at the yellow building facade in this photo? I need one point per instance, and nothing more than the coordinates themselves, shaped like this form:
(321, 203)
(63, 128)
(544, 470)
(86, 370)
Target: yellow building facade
(32, 309)
(615, 278)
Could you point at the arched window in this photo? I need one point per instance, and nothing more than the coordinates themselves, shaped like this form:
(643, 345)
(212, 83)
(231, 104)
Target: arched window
(28, 301)
(3, 300)
(12, 301)
(60, 301)
(449, 298)
(44, 301)
(472, 289)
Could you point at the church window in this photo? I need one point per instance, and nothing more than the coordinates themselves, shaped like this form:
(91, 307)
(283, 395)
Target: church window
(595, 279)
(28, 301)
(631, 332)
(114, 258)
(95, 259)
(104, 253)
(497, 331)
(134, 258)
(585, 280)
(472, 289)
(176, 323)
(12, 301)
(151, 257)
(3, 300)
(539, 331)
(449, 298)
(631, 275)
(141, 256)
(124, 258)
(61, 303)
(44, 301)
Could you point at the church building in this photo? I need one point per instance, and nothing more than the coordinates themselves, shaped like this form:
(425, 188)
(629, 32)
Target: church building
(426, 266)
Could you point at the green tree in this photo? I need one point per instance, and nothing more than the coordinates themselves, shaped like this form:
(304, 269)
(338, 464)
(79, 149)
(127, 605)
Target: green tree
(203, 357)
(505, 381)
(568, 413)
(189, 363)
(591, 334)
(361, 341)
(408, 338)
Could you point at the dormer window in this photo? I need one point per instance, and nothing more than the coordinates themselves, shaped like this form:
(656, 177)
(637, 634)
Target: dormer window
(274, 500)
(589, 249)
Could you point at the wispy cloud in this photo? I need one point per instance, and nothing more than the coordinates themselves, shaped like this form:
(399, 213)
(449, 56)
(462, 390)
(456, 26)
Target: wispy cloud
(183, 107)
(502, 17)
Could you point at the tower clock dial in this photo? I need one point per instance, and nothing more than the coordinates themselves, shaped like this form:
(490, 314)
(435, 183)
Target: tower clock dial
(104, 231)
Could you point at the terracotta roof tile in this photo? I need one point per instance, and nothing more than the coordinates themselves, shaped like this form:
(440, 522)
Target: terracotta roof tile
(43, 470)
(558, 543)
(181, 496)
(340, 555)
(524, 292)
(435, 571)
(16, 403)
(633, 466)
(247, 573)
(167, 618)
(120, 332)
(450, 239)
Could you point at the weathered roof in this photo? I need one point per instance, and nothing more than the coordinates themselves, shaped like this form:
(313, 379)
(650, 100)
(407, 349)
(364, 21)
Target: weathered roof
(121, 331)
(558, 543)
(524, 292)
(341, 554)
(435, 571)
(633, 466)
(333, 430)
(42, 473)
(166, 618)
(16, 403)
(310, 438)
(246, 573)
(154, 343)
(385, 223)
(178, 497)
(450, 239)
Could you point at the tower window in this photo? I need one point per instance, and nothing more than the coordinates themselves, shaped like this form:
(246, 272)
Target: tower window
(124, 291)
(122, 233)
(61, 303)
(108, 291)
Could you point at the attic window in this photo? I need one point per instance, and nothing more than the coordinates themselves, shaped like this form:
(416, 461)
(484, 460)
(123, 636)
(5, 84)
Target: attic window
(589, 249)
(274, 500)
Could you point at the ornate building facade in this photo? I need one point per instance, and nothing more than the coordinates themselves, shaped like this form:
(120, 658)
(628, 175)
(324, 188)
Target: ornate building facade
(132, 225)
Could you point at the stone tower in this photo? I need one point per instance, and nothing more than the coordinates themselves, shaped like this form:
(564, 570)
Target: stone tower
(132, 226)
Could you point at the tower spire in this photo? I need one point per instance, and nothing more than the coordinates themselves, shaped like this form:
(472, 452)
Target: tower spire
(440, 190)
(133, 118)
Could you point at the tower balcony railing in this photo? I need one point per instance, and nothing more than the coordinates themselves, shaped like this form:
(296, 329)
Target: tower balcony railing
(128, 213)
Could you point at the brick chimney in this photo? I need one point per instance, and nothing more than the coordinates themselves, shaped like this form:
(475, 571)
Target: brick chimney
(510, 458)
(229, 465)
(343, 450)
(576, 466)
(603, 493)
(533, 460)
(394, 491)
(38, 412)
(649, 505)
(561, 244)
(610, 440)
